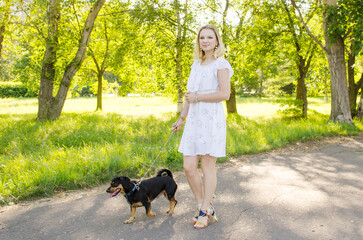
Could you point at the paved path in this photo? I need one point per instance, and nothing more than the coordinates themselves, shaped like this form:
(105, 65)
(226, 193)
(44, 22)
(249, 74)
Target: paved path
(314, 191)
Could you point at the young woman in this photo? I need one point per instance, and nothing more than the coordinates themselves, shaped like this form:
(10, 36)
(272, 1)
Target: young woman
(204, 135)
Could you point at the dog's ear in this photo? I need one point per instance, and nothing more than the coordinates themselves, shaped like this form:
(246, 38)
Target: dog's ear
(117, 178)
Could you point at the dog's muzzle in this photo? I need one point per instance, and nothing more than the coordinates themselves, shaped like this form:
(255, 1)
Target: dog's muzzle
(114, 193)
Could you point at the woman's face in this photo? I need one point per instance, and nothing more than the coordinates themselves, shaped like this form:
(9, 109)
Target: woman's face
(207, 40)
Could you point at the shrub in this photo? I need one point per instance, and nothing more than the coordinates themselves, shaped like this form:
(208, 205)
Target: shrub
(288, 89)
(290, 107)
(14, 90)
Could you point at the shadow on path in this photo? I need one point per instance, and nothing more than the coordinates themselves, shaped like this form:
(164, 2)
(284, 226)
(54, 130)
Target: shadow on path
(305, 195)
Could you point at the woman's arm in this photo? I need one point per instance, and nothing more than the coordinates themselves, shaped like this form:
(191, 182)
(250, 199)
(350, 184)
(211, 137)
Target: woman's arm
(183, 115)
(222, 95)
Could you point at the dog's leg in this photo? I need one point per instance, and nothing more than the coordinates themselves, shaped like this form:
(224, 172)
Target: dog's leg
(148, 210)
(132, 217)
(172, 203)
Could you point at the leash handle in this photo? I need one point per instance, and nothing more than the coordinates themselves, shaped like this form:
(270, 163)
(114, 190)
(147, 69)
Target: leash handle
(142, 179)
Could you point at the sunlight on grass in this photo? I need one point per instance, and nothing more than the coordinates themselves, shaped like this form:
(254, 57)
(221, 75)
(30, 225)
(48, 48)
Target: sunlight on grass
(137, 106)
(84, 148)
(253, 110)
(156, 106)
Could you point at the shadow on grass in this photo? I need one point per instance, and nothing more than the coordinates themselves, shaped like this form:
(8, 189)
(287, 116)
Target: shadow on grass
(83, 150)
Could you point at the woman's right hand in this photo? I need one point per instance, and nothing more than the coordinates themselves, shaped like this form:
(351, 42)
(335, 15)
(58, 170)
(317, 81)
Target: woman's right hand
(177, 125)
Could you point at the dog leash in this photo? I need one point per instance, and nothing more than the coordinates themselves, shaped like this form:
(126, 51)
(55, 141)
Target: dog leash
(137, 185)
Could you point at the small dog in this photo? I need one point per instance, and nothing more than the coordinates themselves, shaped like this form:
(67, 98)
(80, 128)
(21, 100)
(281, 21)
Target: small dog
(149, 189)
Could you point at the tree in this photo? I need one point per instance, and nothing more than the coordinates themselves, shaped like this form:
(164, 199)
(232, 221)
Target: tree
(170, 22)
(5, 12)
(353, 86)
(222, 9)
(112, 39)
(4, 18)
(51, 107)
(303, 55)
(255, 47)
(179, 47)
(360, 108)
(334, 50)
(350, 17)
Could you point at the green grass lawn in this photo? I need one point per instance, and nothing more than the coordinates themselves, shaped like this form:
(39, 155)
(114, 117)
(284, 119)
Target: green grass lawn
(84, 148)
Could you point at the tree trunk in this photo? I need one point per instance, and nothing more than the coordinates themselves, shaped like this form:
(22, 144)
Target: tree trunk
(360, 107)
(3, 22)
(45, 97)
(325, 91)
(100, 69)
(340, 109)
(2, 30)
(232, 103)
(178, 57)
(99, 91)
(179, 76)
(260, 88)
(353, 87)
(301, 92)
(50, 108)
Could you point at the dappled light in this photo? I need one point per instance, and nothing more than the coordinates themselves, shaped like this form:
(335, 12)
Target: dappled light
(85, 148)
(313, 194)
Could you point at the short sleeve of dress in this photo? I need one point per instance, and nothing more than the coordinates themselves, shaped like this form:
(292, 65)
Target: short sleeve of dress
(222, 64)
(194, 64)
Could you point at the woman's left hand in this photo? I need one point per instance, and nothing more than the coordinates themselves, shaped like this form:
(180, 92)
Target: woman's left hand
(191, 97)
(177, 125)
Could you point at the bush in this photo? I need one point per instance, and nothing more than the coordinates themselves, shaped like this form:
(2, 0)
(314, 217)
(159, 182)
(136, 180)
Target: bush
(290, 107)
(288, 89)
(14, 90)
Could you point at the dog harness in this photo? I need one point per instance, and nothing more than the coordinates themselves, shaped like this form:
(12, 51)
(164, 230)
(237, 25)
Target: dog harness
(136, 186)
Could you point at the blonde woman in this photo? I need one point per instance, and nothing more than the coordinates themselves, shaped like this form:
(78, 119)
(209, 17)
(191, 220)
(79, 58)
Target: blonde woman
(204, 135)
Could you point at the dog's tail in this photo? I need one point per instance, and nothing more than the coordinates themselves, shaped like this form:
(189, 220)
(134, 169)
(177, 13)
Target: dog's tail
(163, 172)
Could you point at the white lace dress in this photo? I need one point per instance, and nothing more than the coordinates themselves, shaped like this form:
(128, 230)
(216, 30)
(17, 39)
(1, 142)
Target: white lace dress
(205, 128)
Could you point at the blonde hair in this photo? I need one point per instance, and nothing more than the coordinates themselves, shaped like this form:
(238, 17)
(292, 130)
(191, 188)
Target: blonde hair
(218, 52)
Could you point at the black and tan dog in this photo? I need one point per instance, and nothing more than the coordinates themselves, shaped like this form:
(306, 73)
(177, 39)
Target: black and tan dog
(148, 190)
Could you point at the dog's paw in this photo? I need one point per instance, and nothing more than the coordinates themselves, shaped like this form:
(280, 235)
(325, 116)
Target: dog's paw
(151, 214)
(170, 212)
(128, 221)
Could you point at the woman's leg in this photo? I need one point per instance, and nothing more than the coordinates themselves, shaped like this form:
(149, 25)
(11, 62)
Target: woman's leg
(193, 177)
(208, 166)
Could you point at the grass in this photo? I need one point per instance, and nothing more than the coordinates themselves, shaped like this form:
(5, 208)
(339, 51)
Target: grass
(85, 148)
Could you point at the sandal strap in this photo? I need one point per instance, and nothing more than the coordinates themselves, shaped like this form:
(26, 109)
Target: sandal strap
(202, 214)
(200, 223)
(205, 220)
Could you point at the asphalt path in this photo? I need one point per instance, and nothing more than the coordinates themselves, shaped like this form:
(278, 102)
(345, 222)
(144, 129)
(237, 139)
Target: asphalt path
(308, 190)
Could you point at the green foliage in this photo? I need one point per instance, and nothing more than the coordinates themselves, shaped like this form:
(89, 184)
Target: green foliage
(288, 89)
(290, 107)
(14, 90)
(346, 17)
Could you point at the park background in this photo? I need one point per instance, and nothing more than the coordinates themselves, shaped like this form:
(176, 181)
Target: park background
(89, 89)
